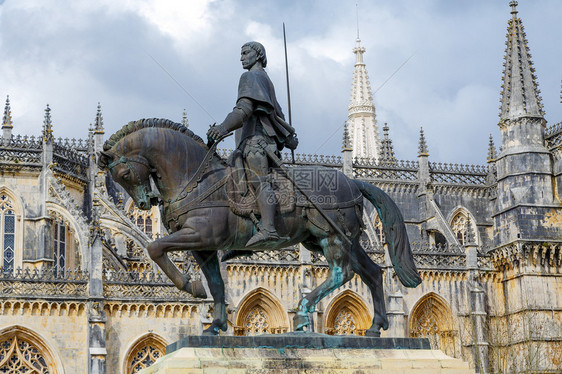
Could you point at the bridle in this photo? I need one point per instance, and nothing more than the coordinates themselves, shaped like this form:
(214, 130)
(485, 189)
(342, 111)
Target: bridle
(126, 160)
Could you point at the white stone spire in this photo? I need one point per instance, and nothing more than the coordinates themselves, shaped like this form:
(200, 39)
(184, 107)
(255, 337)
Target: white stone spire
(362, 123)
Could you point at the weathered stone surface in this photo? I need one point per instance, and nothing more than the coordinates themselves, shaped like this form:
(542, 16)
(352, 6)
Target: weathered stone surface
(296, 360)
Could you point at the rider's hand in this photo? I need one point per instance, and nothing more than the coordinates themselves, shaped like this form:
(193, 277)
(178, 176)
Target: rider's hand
(216, 132)
(292, 141)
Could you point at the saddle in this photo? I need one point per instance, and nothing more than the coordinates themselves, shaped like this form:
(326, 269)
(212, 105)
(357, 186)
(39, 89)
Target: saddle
(242, 199)
(327, 188)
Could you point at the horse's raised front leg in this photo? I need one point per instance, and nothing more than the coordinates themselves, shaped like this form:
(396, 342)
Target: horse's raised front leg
(337, 256)
(371, 274)
(180, 240)
(209, 263)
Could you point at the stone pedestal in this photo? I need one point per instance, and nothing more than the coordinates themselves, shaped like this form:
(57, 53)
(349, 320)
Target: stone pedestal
(300, 353)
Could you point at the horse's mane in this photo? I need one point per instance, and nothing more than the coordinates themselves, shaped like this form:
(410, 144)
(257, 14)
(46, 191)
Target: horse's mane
(144, 123)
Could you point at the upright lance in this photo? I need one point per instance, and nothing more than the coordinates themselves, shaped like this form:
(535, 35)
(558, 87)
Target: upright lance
(288, 90)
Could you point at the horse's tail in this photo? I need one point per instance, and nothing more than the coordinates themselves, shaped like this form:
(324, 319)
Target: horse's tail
(395, 233)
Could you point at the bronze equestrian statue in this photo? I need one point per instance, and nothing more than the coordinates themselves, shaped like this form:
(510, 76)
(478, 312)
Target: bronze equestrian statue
(203, 214)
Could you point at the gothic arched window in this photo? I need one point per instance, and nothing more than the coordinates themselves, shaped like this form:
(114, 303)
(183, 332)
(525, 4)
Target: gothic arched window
(8, 234)
(144, 353)
(145, 220)
(23, 351)
(347, 315)
(259, 313)
(59, 251)
(432, 318)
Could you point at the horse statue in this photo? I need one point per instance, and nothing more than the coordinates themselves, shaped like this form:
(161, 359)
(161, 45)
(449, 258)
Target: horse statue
(197, 210)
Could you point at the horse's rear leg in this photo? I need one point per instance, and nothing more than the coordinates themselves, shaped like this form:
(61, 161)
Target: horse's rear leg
(371, 274)
(209, 264)
(337, 256)
(157, 250)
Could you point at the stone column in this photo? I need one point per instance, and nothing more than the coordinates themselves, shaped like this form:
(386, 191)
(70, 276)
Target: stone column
(97, 353)
(477, 299)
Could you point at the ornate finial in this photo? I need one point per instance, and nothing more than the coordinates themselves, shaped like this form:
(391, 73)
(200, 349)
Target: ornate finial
(358, 50)
(385, 130)
(7, 120)
(346, 146)
(491, 150)
(184, 120)
(387, 149)
(98, 128)
(422, 148)
(470, 237)
(47, 126)
(513, 4)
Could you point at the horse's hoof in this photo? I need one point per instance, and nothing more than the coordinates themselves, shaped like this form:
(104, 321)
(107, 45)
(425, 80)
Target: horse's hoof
(211, 331)
(373, 333)
(214, 328)
(197, 289)
(300, 322)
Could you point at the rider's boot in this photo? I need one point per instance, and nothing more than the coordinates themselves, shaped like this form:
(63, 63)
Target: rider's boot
(267, 204)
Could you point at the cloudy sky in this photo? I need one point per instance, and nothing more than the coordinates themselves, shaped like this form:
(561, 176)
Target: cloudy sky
(155, 58)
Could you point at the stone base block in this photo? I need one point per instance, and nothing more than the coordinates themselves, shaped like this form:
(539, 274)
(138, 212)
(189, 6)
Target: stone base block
(303, 360)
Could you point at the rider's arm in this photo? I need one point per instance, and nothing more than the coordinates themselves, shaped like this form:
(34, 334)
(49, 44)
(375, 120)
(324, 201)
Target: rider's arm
(241, 112)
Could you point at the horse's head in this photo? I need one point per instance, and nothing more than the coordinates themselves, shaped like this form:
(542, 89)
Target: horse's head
(133, 173)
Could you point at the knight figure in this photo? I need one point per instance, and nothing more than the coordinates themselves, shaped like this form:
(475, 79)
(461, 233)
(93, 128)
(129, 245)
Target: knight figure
(260, 129)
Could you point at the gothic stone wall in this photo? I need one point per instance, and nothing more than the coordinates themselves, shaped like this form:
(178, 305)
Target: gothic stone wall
(63, 327)
(127, 323)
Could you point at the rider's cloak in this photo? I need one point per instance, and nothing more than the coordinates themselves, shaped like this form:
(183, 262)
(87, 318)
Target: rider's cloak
(256, 86)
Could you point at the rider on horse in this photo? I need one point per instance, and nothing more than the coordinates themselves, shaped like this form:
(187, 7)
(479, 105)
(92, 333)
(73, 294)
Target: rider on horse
(260, 129)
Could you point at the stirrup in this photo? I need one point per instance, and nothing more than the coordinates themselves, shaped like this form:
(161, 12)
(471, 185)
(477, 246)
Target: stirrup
(264, 236)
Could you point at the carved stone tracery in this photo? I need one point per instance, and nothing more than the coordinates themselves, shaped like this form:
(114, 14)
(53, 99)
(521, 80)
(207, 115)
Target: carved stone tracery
(347, 315)
(20, 356)
(144, 353)
(432, 318)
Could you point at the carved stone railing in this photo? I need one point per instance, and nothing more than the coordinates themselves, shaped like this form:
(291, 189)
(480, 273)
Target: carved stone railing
(307, 159)
(76, 145)
(290, 255)
(21, 151)
(484, 259)
(300, 158)
(553, 135)
(377, 255)
(439, 257)
(458, 173)
(70, 161)
(135, 286)
(44, 283)
(369, 169)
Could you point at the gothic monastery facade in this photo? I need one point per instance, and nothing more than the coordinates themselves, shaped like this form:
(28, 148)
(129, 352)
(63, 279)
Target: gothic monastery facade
(79, 294)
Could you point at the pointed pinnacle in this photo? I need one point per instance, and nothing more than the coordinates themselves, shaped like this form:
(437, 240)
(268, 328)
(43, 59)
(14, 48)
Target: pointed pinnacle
(422, 148)
(99, 121)
(491, 150)
(346, 146)
(470, 236)
(184, 120)
(520, 93)
(387, 149)
(47, 125)
(7, 119)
